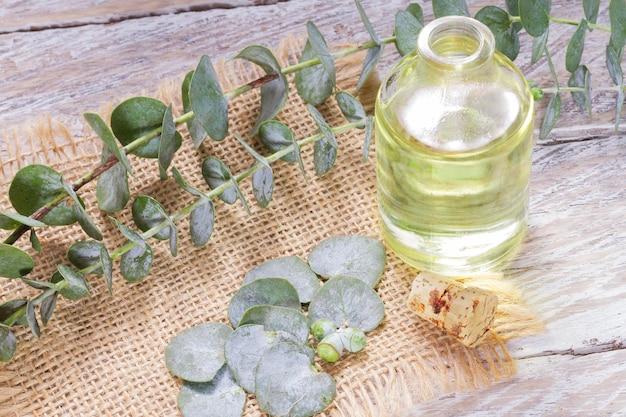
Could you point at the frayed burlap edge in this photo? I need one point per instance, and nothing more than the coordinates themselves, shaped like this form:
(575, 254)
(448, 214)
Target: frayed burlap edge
(103, 356)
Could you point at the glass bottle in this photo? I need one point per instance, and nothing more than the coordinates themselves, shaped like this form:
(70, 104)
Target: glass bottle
(454, 123)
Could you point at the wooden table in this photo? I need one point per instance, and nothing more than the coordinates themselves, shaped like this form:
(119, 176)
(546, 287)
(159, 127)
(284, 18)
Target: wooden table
(61, 60)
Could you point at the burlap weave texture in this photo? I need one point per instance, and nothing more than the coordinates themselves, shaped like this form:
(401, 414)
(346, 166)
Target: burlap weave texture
(103, 356)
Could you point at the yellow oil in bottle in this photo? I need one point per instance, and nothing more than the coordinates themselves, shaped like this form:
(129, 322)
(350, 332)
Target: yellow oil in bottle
(453, 154)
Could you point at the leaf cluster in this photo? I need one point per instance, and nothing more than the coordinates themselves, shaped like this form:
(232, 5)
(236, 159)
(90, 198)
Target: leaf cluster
(267, 352)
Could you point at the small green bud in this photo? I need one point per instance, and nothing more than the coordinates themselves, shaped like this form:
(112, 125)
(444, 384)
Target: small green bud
(353, 340)
(322, 328)
(330, 348)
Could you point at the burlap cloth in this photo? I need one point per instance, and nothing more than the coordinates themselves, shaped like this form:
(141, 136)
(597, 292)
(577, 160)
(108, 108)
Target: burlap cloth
(103, 356)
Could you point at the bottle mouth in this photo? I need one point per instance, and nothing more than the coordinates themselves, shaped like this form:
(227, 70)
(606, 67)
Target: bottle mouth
(456, 42)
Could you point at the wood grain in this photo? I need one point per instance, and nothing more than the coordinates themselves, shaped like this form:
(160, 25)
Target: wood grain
(571, 268)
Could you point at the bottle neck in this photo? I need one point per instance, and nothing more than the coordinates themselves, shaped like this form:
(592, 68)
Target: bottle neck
(456, 43)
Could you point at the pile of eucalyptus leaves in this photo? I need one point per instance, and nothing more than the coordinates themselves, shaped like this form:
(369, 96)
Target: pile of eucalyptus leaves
(143, 127)
(267, 350)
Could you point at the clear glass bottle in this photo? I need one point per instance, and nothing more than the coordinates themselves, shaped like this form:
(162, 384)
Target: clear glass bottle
(454, 123)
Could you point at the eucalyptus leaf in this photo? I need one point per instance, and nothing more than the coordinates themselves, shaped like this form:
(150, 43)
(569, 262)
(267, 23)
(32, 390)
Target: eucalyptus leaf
(85, 253)
(406, 28)
(222, 397)
(591, 8)
(107, 268)
(617, 17)
(216, 173)
(291, 268)
(245, 347)
(13, 220)
(539, 46)
(136, 117)
(535, 16)
(324, 149)
(288, 385)
(357, 256)
(40, 285)
(373, 54)
(110, 144)
(47, 308)
(263, 186)
(33, 187)
(443, 8)
(14, 262)
(129, 233)
(348, 302)
(553, 112)
(367, 139)
(575, 47)
(9, 308)
(614, 66)
(170, 142)
(148, 213)
(273, 94)
(86, 223)
(318, 43)
(8, 344)
(207, 100)
(264, 291)
(31, 319)
(112, 191)
(34, 240)
(276, 136)
(135, 264)
(77, 287)
(278, 318)
(505, 34)
(195, 129)
(314, 84)
(581, 78)
(350, 107)
(201, 223)
(197, 354)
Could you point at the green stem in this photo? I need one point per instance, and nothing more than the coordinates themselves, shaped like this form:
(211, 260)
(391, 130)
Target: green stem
(576, 23)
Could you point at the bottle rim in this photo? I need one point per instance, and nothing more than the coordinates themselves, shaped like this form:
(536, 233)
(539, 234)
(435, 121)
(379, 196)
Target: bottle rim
(477, 44)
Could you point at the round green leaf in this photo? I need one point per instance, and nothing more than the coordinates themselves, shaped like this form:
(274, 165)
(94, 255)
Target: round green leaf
(450, 8)
(277, 318)
(347, 302)
(14, 262)
(47, 308)
(207, 100)
(244, 349)
(195, 129)
(264, 291)
(504, 32)
(288, 385)
(197, 354)
(136, 117)
(221, 397)
(135, 264)
(77, 287)
(324, 149)
(148, 213)
(357, 256)
(291, 268)
(201, 222)
(276, 136)
(8, 344)
(407, 27)
(36, 185)
(535, 16)
(274, 93)
(314, 84)
(351, 108)
(112, 191)
(85, 253)
(263, 186)
(216, 173)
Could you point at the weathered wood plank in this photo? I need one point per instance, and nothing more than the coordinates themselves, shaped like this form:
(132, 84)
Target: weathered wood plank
(558, 385)
(24, 16)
